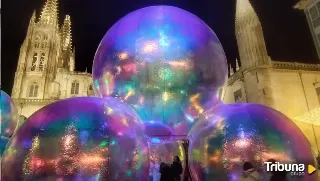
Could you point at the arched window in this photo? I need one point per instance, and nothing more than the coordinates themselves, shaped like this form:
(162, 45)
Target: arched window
(38, 39)
(34, 61)
(238, 96)
(90, 87)
(45, 37)
(33, 90)
(36, 45)
(41, 63)
(75, 88)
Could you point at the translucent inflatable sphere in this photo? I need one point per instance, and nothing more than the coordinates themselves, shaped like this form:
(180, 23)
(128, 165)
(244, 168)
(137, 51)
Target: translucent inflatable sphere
(158, 133)
(248, 132)
(165, 152)
(84, 138)
(9, 115)
(216, 112)
(164, 61)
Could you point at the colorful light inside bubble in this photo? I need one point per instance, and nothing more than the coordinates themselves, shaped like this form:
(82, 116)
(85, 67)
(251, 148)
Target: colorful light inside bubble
(228, 135)
(150, 47)
(167, 56)
(123, 55)
(68, 162)
(165, 73)
(155, 140)
(163, 41)
(102, 138)
(165, 97)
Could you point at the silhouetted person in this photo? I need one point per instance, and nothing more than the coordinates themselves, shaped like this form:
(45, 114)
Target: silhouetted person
(165, 172)
(250, 174)
(277, 175)
(176, 168)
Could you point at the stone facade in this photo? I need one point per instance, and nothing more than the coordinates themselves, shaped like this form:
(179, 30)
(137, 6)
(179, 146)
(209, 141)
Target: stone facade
(312, 10)
(45, 71)
(291, 88)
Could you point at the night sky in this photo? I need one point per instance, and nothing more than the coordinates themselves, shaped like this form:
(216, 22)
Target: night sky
(286, 30)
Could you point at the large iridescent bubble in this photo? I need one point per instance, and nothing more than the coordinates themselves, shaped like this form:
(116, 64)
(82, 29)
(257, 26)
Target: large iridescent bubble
(246, 132)
(158, 133)
(9, 116)
(164, 61)
(79, 139)
(216, 112)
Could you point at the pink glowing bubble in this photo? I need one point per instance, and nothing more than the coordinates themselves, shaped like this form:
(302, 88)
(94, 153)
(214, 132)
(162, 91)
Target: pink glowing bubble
(163, 61)
(79, 138)
(227, 136)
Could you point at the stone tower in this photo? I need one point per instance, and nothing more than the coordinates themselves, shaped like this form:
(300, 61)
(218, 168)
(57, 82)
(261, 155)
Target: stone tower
(46, 48)
(255, 62)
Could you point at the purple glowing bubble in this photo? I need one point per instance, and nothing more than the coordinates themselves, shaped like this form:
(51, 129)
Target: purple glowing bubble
(164, 61)
(158, 133)
(191, 125)
(233, 134)
(9, 115)
(79, 138)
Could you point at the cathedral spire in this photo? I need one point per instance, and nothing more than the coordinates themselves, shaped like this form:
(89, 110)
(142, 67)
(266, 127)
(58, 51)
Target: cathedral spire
(244, 8)
(72, 60)
(250, 39)
(49, 13)
(31, 23)
(66, 33)
(33, 17)
(231, 72)
(237, 65)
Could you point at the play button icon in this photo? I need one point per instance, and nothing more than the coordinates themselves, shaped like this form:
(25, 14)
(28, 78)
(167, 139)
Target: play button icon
(311, 169)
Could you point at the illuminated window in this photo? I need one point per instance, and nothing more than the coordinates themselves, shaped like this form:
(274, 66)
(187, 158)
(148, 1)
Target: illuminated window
(34, 61)
(75, 88)
(238, 96)
(41, 64)
(33, 90)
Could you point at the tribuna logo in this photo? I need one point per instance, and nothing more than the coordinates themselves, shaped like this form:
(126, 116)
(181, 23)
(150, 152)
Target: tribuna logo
(293, 169)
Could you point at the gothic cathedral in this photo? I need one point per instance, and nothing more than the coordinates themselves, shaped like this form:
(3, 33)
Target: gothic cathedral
(45, 71)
